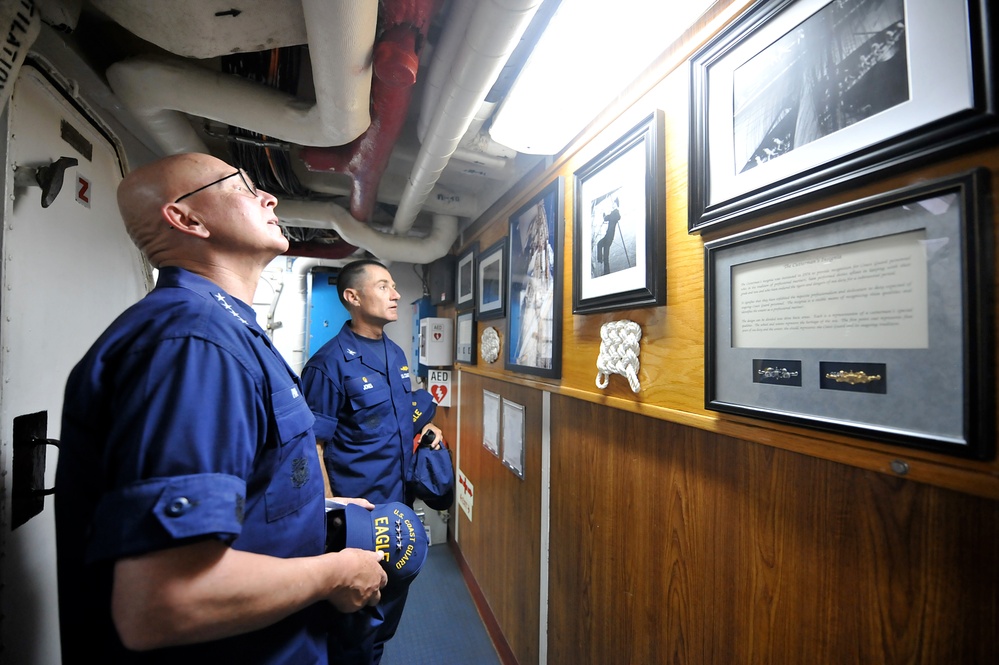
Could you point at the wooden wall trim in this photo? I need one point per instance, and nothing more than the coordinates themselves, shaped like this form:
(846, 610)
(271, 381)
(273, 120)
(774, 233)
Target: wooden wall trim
(971, 477)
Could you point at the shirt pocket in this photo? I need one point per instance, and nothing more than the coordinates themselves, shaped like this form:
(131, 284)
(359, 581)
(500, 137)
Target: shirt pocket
(367, 392)
(292, 415)
(296, 478)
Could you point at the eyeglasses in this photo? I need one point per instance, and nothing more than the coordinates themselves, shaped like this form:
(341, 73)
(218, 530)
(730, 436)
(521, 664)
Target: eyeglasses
(242, 176)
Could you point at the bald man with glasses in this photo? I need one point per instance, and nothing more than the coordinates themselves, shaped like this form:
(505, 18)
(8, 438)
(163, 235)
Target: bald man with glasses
(189, 497)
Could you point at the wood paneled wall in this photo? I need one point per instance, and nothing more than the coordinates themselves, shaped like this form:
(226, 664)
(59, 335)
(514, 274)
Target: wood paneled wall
(683, 535)
(502, 544)
(671, 544)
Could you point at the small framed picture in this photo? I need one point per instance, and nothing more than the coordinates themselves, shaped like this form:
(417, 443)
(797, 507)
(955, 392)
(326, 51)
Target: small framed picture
(464, 275)
(491, 279)
(464, 349)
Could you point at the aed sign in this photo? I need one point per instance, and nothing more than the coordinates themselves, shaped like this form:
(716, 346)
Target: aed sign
(439, 385)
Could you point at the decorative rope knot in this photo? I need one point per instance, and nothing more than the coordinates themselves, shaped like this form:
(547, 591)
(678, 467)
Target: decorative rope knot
(490, 345)
(619, 347)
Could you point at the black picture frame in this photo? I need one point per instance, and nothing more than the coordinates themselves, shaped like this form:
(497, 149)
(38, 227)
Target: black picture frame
(620, 195)
(464, 338)
(873, 318)
(464, 278)
(491, 275)
(778, 118)
(534, 294)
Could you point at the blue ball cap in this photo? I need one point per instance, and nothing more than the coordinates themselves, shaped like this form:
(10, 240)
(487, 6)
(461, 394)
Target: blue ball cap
(394, 530)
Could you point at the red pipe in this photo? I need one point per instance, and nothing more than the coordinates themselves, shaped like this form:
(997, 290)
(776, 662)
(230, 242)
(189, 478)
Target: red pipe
(403, 26)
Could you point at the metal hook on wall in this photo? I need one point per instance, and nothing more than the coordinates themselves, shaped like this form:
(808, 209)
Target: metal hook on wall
(48, 176)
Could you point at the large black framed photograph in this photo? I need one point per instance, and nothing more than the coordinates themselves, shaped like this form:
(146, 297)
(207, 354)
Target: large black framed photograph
(619, 223)
(490, 269)
(872, 318)
(464, 278)
(534, 324)
(799, 98)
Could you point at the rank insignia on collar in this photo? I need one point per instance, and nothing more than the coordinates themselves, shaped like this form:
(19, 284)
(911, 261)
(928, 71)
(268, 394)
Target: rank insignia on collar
(352, 352)
(220, 299)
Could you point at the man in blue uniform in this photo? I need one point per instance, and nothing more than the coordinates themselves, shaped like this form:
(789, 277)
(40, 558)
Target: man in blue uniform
(189, 497)
(359, 389)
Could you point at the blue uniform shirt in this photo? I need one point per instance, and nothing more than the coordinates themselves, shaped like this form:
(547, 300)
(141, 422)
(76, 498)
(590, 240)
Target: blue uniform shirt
(360, 393)
(181, 423)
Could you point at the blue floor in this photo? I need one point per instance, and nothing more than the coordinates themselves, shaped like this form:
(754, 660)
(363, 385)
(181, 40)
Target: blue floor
(440, 625)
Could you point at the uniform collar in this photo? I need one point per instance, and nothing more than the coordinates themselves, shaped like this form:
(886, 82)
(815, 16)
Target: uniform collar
(173, 276)
(354, 350)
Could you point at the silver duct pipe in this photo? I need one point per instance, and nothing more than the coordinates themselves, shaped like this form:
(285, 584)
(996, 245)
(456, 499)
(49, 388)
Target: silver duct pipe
(160, 90)
(385, 246)
(493, 32)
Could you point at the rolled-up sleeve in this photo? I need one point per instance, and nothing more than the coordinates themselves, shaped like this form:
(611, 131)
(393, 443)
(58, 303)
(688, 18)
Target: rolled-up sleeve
(182, 446)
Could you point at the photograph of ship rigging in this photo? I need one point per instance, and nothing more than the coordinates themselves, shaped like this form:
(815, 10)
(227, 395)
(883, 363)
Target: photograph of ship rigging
(845, 63)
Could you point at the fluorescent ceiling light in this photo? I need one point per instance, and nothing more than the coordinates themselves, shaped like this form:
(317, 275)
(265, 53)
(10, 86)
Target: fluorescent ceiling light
(591, 51)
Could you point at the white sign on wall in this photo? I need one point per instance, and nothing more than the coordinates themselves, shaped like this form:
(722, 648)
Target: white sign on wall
(439, 385)
(466, 495)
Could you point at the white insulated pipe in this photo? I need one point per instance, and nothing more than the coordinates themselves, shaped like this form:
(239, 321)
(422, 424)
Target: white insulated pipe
(442, 58)
(160, 90)
(385, 246)
(493, 32)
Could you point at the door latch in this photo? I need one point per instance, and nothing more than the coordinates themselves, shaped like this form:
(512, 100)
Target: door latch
(30, 442)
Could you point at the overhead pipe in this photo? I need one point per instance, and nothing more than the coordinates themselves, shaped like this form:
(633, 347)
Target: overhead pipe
(443, 56)
(22, 23)
(402, 31)
(300, 269)
(385, 246)
(494, 30)
(476, 146)
(159, 90)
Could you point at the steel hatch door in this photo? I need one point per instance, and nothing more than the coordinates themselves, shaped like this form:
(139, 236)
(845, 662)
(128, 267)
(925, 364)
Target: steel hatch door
(68, 269)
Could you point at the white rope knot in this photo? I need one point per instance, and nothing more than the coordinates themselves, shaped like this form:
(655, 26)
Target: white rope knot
(490, 344)
(619, 353)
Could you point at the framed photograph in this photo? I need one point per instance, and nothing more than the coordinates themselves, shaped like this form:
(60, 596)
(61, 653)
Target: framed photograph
(534, 326)
(798, 98)
(464, 346)
(491, 279)
(619, 224)
(464, 278)
(872, 319)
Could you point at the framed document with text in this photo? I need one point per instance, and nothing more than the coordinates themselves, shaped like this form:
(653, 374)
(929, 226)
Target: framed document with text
(871, 318)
